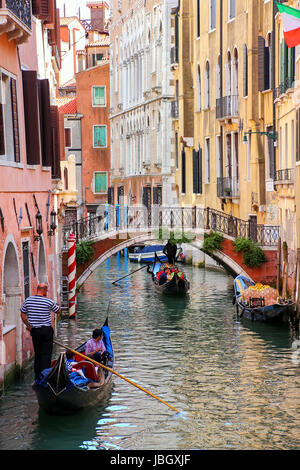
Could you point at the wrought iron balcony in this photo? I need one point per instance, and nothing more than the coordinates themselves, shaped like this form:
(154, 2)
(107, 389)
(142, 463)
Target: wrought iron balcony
(227, 107)
(15, 20)
(284, 176)
(287, 84)
(228, 187)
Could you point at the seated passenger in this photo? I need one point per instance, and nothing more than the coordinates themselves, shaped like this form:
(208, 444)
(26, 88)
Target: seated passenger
(95, 347)
(164, 276)
(179, 273)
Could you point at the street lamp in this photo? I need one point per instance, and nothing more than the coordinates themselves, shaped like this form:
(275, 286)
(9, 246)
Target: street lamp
(52, 223)
(39, 226)
(270, 135)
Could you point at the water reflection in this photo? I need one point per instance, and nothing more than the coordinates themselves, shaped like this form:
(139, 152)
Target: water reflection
(234, 381)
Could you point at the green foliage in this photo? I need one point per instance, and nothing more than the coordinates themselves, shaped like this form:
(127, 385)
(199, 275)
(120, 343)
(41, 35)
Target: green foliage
(212, 241)
(253, 255)
(175, 236)
(84, 252)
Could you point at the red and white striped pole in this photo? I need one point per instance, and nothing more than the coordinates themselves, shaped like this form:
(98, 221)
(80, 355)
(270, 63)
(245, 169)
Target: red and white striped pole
(72, 275)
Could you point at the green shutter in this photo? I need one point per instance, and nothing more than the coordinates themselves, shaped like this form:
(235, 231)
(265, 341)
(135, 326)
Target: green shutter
(99, 96)
(100, 182)
(99, 136)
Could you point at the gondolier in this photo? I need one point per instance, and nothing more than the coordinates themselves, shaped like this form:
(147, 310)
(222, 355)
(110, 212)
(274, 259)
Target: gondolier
(36, 315)
(170, 251)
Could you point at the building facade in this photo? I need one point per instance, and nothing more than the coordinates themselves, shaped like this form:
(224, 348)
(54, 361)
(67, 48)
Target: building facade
(141, 95)
(30, 169)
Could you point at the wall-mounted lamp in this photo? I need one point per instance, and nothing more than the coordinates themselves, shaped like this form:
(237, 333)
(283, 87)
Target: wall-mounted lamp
(270, 135)
(39, 226)
(53, 225)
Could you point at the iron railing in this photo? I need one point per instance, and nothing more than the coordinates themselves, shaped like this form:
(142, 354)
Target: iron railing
(162, 219)
(228, 187)
(227, 106)
(286, 84)
(20, 8)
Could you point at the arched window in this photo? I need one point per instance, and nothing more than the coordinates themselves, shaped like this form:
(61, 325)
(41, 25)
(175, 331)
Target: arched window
(218, 78)
(235, 75)
(228, 74)
(207, 86)
(199, 104)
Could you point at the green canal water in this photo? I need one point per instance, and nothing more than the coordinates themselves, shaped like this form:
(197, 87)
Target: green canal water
(235, 383)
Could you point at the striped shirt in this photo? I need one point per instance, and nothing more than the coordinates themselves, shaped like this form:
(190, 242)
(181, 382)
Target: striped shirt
(38, 310)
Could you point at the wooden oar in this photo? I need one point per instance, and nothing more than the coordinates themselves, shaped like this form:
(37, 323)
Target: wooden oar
(130, 274)
(116, 373)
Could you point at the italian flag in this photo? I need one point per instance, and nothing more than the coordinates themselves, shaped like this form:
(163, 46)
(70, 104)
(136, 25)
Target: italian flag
(291, 24)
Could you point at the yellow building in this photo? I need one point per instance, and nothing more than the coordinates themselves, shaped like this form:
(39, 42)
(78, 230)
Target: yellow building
(285, 116)
(224, 127)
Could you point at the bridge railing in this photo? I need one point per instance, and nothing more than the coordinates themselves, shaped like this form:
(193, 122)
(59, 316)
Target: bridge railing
(111, 220)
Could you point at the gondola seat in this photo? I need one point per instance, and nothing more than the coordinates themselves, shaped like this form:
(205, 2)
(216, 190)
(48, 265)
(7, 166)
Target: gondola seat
(87, 368)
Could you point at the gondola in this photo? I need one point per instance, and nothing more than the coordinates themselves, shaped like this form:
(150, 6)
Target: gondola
(176, 286)
(58, 394)
(256, 308)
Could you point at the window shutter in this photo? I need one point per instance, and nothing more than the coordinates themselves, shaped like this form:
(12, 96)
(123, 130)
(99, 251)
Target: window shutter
(55, 166)
(195, 186)
(183, 175)
(261, 63)
(2, 143)
(31, 113)
(297, 135)
(15, 118)
(45, 119)
(245, 76)
(100, 182)
(41, 9)
(200, 170)
(266, 68)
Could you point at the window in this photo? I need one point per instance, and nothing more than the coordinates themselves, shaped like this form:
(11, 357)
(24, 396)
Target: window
(9, 126)
(198, 89)
(197, 171)
(99, 137)
(213, 15)
(100, 181)
(207, 161)
(207, 86)
(231, 9)
(198, 18)
(245, 77)
(67, 137)
(99, 98)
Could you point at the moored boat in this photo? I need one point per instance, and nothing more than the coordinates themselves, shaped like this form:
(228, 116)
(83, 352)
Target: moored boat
(61, 393)
(259, 302)
(176, 286)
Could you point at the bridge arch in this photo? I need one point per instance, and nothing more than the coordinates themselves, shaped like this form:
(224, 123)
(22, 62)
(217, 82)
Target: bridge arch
(103, 256)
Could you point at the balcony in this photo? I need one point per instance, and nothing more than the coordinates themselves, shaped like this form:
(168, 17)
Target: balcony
(285, 176)
(15, 20)
(287, 84)
(174, 109)
(227, 107)
(228, 188)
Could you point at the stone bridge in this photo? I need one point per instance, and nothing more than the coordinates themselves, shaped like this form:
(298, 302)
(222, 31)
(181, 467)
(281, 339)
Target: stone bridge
(117, 228)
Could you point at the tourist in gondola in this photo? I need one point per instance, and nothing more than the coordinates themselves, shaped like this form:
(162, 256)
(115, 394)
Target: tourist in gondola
(170, 251)
(95, 346)
(36, 315)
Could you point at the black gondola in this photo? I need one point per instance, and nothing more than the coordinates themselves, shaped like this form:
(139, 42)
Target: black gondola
(57, 394)
(176, 286)
(256, 309)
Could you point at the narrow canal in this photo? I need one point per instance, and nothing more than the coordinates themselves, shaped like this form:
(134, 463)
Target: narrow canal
(236, 383)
